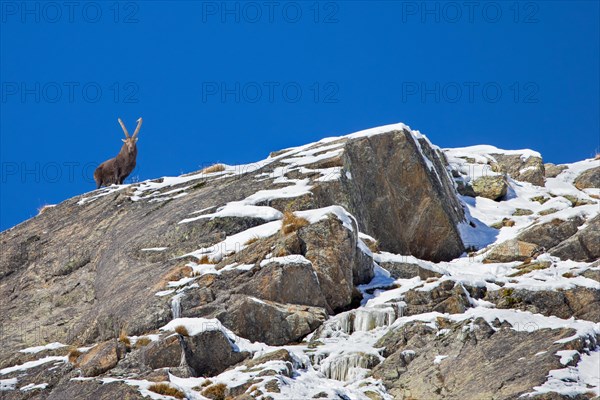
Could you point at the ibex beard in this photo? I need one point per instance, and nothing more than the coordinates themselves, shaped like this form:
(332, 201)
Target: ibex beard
(116, 170)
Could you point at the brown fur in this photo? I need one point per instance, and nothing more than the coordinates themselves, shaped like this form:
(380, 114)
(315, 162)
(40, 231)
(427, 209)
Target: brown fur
(116, 170)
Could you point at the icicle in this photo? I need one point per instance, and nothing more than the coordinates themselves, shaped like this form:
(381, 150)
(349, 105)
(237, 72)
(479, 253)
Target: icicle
(176, 306)
(370, 318)
(347, 367)
(182, 361)
(346, 322)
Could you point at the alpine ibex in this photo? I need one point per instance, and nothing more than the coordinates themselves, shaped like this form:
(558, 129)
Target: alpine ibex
(115, 170)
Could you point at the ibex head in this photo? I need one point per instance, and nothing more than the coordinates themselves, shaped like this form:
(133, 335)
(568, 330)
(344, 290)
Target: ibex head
(130, 141)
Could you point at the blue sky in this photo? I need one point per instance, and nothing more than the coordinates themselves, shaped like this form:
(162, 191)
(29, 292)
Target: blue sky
(230, 82)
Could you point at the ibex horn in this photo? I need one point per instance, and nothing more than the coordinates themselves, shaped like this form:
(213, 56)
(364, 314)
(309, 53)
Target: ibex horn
(124, 129)
(137, 128)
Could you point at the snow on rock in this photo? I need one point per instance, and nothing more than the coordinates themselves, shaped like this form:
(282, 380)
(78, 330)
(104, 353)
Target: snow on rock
(247, 207)
(37, 349)
(195, 326)
(319, 214)
(521, 321)
(32, 386)
(102, 192)
(305, 159)
(438, 359)
(242, 210)
(32, 364)
(572, 381)
(8, 384)
(234, 243)
(291, 259)
(481, 153)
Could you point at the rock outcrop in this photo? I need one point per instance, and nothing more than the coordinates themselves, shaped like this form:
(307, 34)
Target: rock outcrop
(492, 187)
(521, 168)
(101, 358)
(581, 303)
(383, 169)
(422, 364)
(331, 270)
(552, 170)
(588, 179)
(512, 250)
(582, 246)
(211, 353)
(550, 234)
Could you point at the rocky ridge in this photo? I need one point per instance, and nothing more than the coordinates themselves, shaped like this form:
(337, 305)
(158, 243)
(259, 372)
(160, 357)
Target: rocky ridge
(346, 268)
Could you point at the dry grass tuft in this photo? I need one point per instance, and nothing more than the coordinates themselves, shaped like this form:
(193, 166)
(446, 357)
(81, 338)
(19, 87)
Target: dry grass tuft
(74, 355)
(123, 338)
(280, 252)
(141, 342)
(548, 211)
(215, 392)
(167, 390)
(213, 168)
(182, 330)
(373, 245)
(204, 260)
(45, 208)
(291, 223)
(174, 275)
(540, 199)
(251, 240)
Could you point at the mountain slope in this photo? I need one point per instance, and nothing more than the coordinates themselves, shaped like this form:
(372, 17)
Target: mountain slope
(332, 269)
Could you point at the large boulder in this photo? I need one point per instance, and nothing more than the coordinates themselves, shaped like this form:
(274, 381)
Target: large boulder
(493, 187)
(397, 187)
(270, 322)
(553, 170)
(525, 168)
(287, 282)
(162, 353)
(512, 250)
(588, 179)
(101, 358)
(332, 249)
(447, 297)
(211, 352)
(579, 302)
(406, 270)
(551, 233)
(582, 246)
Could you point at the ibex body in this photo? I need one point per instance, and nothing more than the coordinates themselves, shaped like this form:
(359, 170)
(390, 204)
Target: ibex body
(115, 170)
